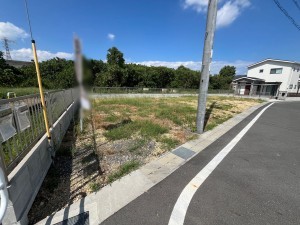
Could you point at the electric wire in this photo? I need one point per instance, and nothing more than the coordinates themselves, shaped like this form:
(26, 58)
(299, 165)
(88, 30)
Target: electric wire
(285, 12)
(28, 19)
(297, 4)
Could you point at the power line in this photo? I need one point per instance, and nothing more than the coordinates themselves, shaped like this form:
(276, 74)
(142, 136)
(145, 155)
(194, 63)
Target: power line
(297, 4)
(287, 14)
(28, 19)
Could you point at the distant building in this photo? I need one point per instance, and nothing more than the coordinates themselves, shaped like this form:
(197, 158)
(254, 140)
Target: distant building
(236, 77)
(18, 64)
(270, 77)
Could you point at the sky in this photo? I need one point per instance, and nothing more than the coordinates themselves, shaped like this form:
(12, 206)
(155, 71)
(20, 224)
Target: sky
(154, 32)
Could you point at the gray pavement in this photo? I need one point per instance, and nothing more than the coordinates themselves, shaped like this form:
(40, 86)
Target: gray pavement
(257, 183)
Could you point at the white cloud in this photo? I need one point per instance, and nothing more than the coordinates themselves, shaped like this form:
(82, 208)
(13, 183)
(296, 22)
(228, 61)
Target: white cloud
(227, 14)
(111, 36)
(198, 5)
(216, 66)
(25, 54)
(230, 11)
(11, 32)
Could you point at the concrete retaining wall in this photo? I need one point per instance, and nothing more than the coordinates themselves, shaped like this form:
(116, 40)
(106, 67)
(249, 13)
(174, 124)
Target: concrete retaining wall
(26, 179)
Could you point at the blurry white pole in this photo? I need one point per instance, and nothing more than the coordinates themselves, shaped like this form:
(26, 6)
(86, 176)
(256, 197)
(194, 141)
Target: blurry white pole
(206, 61)
(3, 195)
(79, 74)
(84, 102)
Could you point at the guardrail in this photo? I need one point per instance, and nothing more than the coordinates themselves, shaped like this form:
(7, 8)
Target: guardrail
(141, 90)
(22, 123)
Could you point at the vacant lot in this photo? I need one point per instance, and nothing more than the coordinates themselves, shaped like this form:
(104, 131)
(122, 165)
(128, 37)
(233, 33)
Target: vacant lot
(119, 136)
(132, 129)
(129, 132)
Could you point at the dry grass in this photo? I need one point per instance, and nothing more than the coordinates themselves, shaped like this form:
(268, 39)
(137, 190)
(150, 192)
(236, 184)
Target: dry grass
(143, 128)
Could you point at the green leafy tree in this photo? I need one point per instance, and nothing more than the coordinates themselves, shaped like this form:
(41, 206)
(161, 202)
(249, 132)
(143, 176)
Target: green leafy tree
(9, 76)
(228, 71)
(29, 74)
(115, 57)
(223, 79)
(186, 78)
(3, 64)
(66, 77)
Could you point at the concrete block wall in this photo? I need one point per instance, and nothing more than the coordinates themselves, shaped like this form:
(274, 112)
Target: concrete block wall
(26, 179)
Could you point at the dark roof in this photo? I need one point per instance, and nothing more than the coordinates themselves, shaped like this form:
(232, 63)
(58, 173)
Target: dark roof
(239, 76)
(248, 78)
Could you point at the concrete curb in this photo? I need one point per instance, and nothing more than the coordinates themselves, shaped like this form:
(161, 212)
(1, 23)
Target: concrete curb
(115, 196)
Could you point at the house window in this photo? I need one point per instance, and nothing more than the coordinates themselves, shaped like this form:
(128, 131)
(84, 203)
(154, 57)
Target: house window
(261, 71)
(295, 87)
(276, 71)
(291, 86)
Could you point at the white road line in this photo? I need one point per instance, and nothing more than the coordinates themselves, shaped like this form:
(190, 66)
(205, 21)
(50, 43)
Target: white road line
(182, 204)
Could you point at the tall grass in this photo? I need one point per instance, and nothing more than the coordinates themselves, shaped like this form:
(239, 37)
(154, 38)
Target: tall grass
(18, 91)
(145, 128)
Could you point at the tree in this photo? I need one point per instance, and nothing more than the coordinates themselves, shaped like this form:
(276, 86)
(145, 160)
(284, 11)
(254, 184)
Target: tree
(228, 71)
(186, 78)
(29, 74)
(66, 77)
(218, 82)
(3, 63)
(223, 79)
(115, 57)
(113, 77)
(9, 75)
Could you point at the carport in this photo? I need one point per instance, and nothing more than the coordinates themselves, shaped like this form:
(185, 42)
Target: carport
(255, 87)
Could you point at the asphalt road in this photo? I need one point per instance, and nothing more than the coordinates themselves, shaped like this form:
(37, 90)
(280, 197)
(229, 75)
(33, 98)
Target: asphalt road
(258, 182)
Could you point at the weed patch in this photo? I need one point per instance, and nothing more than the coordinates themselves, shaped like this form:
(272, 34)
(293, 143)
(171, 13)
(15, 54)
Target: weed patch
(145, 127)
(169, 143)
(95, 186)
(123, 170)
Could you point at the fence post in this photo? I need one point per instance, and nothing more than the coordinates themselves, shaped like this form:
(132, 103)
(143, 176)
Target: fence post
(64, 99)
(49, 108)
(72, 94)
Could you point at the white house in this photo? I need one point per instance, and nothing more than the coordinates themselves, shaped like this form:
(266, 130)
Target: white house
(270, 77)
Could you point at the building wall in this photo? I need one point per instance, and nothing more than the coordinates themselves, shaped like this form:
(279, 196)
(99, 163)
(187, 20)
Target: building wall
(295, 79)
(288, 76)
(18, 64)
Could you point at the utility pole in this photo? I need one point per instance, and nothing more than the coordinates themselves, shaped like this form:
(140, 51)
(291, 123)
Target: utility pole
(206, 61)
(39, 78)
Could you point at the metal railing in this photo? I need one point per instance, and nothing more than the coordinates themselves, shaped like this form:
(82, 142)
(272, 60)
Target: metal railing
(22, 122)
(143, 90)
